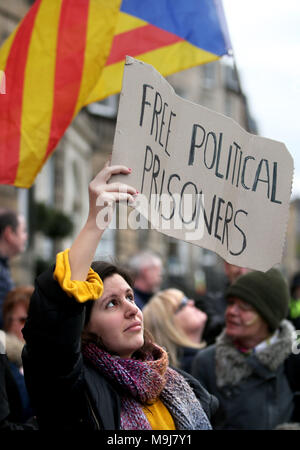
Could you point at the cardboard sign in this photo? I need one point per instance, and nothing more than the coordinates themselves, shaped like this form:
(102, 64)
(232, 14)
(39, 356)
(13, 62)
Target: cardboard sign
(201, 177)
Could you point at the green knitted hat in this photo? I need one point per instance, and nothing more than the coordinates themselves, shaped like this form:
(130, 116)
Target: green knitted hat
(267, 292)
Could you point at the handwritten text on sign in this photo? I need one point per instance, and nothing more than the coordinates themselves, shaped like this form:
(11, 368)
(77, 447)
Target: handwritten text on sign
(201, 177)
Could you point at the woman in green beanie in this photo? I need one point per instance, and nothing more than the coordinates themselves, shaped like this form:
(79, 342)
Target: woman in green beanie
(251, 369)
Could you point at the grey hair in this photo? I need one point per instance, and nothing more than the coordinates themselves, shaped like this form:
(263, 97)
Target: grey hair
(143, 259)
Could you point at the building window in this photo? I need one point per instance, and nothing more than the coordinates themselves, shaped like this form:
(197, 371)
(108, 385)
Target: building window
(209, 72)
(231, 80)
(106, 108)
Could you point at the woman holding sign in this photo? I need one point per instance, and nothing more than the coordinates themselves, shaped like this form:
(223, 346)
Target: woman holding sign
(88, 362)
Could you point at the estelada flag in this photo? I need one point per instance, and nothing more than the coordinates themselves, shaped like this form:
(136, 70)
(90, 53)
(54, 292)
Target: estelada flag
(51, 63)
(54, 64)
(171, 35)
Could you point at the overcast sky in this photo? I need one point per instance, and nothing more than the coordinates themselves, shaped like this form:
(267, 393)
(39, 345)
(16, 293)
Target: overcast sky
(265, 36)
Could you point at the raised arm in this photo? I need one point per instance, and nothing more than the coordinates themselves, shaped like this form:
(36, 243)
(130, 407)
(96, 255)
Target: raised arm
(102, 196)
(52, 360)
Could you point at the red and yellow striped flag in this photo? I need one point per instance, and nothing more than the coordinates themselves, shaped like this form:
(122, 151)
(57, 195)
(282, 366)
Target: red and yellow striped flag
(171, 35)
(51, 63)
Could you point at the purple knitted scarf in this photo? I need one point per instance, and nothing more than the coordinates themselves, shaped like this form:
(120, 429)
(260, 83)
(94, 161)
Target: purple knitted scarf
(146, 381)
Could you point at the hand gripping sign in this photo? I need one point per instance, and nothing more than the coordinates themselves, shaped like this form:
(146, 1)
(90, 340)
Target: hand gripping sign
(200, 176)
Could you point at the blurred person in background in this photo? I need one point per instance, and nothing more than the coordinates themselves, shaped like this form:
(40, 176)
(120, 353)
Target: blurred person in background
(146, 268)
(15, 311)
(177, 325)
(233, 272)
(214, 304)
(11, 408)
(252, 368)
(13, 239)
(294, 309)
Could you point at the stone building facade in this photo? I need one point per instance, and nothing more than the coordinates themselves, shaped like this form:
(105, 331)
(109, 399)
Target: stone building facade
(85, 147)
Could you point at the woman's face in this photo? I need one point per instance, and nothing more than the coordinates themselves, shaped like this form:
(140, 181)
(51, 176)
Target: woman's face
(190, 318)
(16, 321)
(243, 321)
(18, 238)
(116, 319)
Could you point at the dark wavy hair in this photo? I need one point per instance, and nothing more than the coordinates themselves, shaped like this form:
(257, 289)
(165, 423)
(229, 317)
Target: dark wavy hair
(106, 270)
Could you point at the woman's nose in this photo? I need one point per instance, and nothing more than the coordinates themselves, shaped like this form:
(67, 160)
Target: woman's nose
(131, 308)
(232, 308)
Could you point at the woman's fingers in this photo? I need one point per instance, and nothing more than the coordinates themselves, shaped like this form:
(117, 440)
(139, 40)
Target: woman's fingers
(107, 198)
(120, 187)
(99, 185)
(103, 196)
(107, 171)
(113, 170)
(105, 174)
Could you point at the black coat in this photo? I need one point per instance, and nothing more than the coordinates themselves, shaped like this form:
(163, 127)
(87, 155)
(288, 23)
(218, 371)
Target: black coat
(6, 283)
(10, 401)
(67, 392)
(262, 400)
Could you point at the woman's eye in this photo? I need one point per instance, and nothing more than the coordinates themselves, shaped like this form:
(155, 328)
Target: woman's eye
(111, 304)
(246, 308)
(130, 298)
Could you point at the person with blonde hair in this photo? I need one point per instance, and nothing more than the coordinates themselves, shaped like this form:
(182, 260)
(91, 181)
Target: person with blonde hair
(177, 325)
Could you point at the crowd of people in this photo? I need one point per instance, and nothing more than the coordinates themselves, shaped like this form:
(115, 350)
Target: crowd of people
(93, 345)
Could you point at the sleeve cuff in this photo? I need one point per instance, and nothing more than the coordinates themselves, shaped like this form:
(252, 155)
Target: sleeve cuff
(91, 289)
